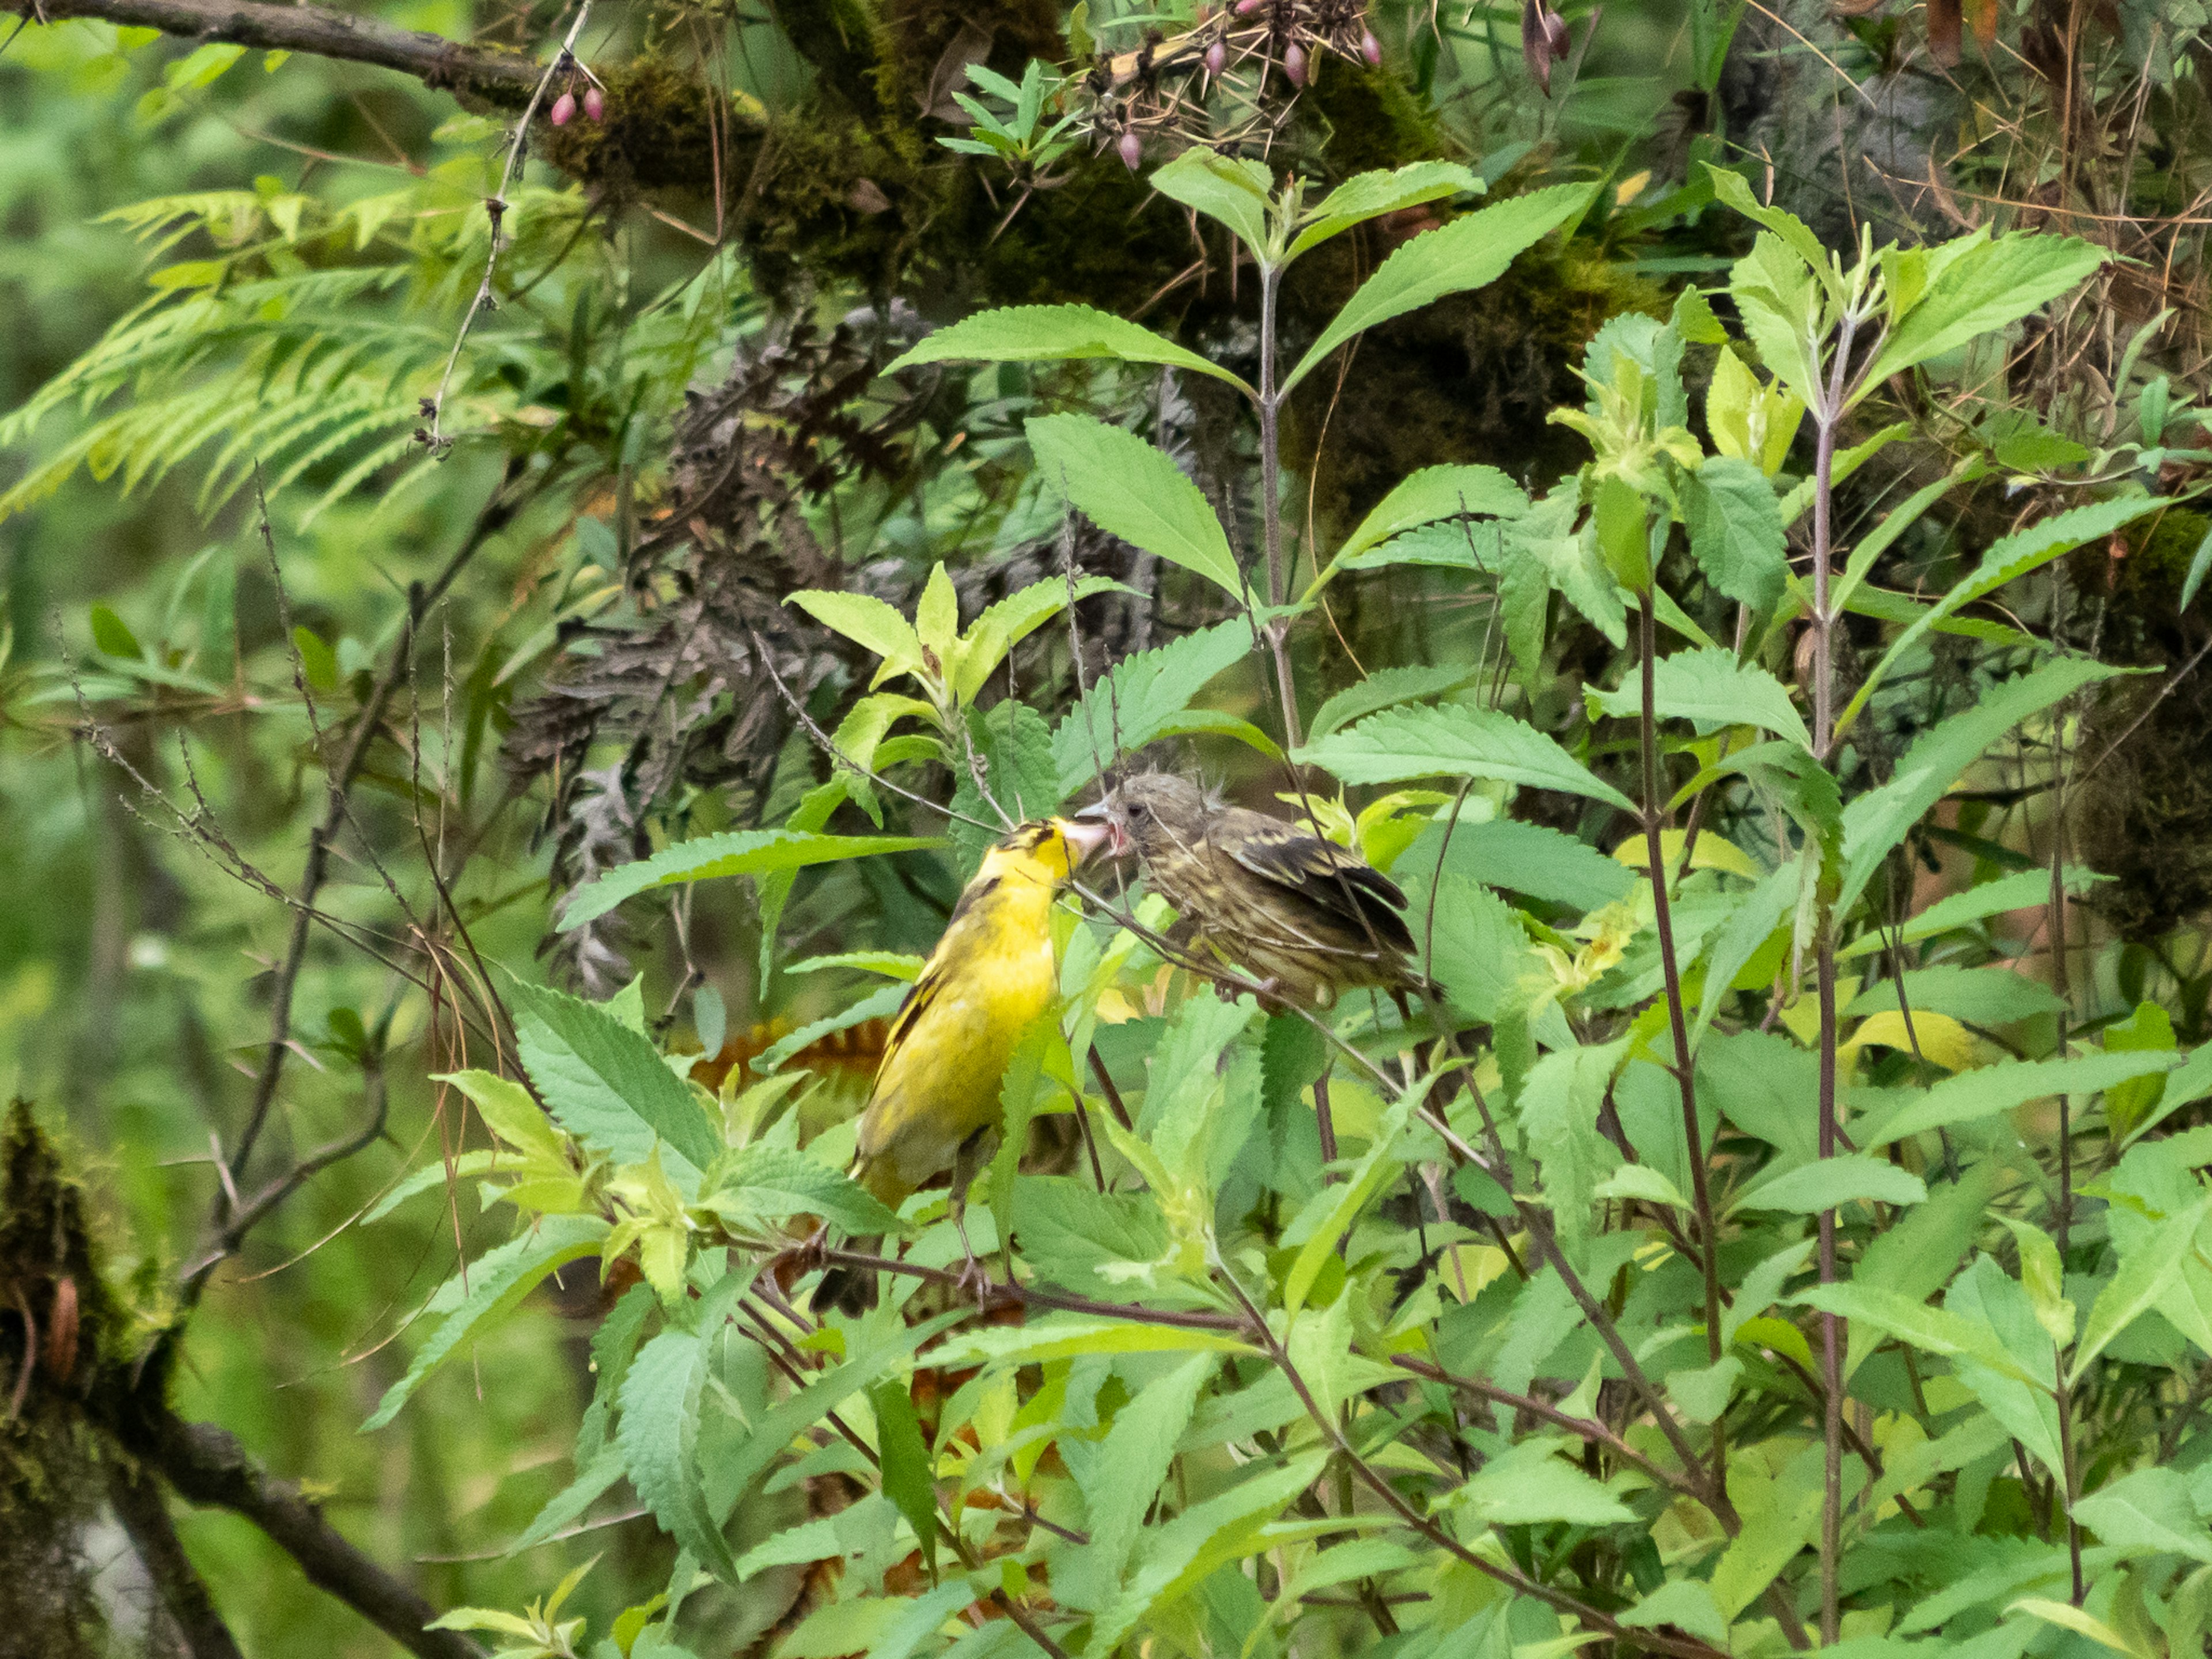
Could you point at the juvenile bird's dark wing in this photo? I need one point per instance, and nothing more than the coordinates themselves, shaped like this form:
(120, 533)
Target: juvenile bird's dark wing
(1342, 886)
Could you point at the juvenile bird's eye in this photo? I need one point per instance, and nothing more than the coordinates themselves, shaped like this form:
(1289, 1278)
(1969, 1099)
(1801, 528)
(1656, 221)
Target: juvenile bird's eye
(1137, 811)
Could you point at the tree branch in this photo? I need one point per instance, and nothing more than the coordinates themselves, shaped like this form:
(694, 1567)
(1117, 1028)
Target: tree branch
(137, 1502)
(207, 1465)
(492, 74)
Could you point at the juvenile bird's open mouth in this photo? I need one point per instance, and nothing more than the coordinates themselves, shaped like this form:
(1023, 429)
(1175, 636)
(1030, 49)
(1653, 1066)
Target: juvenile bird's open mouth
(1087, 834)
(1104, 818)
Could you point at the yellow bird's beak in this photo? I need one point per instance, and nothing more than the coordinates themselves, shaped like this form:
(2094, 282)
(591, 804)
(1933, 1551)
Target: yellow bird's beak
(1082, 838)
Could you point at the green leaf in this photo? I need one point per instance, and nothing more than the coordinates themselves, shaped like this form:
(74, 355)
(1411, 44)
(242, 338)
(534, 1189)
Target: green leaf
(1735, 530)
(1235, 192)
(1936, 1330)
(1980, 996)
(1065, 1336)
(1384, 688)
(908, 1471)
(1985, 286)
(1686, 1603)
(1185, 1551)
(1989, 1090)
(1712, 689)
(1037, 334)
(1131, 490)
(1749, 926)
(1780, 1515)
(1332, 1211)
(1530, 1483)
(605, 1085)
(1532, 859)
(2023, 890)
(1014, 745)
(2149, 1510)
(2068, 1617)
(1876, 821)
(490, 1286)
(113, 635)
(838, 1628)
(1076, 1236)
(509, 1113)
(1121, 1484)
(1434, 493)
(1829, 1181)
(1401, 743)
(659, 1439)
(772, 1183)
(1014, 619)
(869, 622)
(1123, 711)
(1370, 195)
(567, 1506)
(880, 1004)
(734, 852)
(1467, 253)
(1733, 189)
(2016, 556)
(1559, 1105)
(429, 1176)
(2145, 1275)
(1480, 950)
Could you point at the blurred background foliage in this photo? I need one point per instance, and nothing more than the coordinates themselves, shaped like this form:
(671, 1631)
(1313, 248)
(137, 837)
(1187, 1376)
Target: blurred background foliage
(230, 273)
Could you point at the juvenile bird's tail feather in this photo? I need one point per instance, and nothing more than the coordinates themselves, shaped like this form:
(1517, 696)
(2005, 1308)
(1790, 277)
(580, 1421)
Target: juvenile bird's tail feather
(849, 1290)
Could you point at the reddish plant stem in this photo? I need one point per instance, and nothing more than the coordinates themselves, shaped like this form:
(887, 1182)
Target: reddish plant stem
(1655, 819)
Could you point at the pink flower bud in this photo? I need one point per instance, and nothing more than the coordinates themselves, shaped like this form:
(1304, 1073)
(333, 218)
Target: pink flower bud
(1217, 58)
(1555, 31)
(564, 109)
(595, 104)
(1246, 7)
(1294, 65)
(1133, 150)
(1370, 48)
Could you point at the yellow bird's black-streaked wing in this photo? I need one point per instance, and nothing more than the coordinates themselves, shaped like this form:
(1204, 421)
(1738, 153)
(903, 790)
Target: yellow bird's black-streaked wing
(925, 992)
(1343, 887)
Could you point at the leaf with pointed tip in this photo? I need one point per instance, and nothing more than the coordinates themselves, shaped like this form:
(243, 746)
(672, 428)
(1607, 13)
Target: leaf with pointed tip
(1042, 334)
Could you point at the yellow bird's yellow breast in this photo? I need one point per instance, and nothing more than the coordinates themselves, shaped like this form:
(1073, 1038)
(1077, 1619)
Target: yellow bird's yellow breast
(992, 973)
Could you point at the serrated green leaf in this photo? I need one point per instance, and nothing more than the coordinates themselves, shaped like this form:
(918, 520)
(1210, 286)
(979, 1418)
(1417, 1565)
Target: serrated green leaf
(606, 1085)
(734, 852)
(1989, 1090)
(1123, 711)
(772, 1183)
(1384, 688)
(1736, 530)
(1988, 284)
(1427, 495)
(1136, 1456)
(1370, 195)
(1131, 490)
(868, 623)
(1401, 743)
(1712, 689)
(1876, 821)
(1829, 1181)
(1037, 334)
(2145, 1275)
(1467, 253)
(491, 1286)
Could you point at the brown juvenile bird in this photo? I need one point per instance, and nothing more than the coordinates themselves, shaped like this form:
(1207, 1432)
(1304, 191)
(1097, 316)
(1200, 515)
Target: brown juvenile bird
(1264, 895)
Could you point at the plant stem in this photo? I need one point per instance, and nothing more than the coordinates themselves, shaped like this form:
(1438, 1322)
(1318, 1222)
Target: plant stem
(1662, 906)
(2068, 1474)
(1663, 918)
(1271, 510)
(1828, 417)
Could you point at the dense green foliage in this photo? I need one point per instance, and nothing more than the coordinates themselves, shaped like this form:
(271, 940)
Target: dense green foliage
(539, 721)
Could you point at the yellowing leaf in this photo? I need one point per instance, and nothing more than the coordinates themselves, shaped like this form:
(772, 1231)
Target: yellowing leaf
(1711, 852)
(1943, 1040)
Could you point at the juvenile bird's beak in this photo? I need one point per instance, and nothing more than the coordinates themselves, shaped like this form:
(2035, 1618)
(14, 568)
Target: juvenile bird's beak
(1084, 838)
(1104, 818)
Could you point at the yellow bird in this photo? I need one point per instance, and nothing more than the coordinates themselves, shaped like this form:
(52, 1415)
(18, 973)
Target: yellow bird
(936, 1099)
